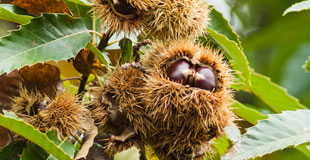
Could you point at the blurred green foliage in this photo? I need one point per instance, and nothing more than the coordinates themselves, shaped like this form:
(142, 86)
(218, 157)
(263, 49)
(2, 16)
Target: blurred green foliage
(275, 45)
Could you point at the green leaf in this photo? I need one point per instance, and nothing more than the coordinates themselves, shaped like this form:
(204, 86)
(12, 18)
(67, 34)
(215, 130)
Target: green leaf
(221, 25)
(29, 132)
(246, 113)
(235, 54)
(83, 12)
(130, 154)
(103, 57)
(49, 37)
(307, 65)
(78, 9)
(222, 145)
(34, 152)
(297, 7)
(272, 94)
(14, 14)
(127, 53)
(233, 133)
(66, 146)
(12, 150)
(291, 128)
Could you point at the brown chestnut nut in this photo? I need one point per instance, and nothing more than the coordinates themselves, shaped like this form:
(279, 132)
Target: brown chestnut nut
(179, 71)
(122, 7)
(205, 78)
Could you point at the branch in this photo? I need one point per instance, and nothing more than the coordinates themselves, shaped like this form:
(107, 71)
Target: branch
(136, 48)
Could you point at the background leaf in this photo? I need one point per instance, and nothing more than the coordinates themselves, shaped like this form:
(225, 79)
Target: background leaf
(307, 65)
(291, 128)
(297, 7)
(33, 152)
(49, 37)
(26, 130)
(14, 14)
(127, 53)
(12, 150)
(272, 94)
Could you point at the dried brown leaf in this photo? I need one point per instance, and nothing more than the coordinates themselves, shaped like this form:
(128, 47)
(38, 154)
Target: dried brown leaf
(5, 137)
(36, 7)
(42, 77)
(86, 62)
(9, 87)
(88, 141)
(96, 153)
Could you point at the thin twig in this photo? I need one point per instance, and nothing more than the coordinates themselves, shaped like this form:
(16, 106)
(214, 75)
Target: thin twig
(72, 78)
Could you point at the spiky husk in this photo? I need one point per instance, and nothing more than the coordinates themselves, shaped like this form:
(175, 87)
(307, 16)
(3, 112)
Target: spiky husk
(143, 5)
(174, 19)
(23, 105)
(185, 117)
(65, 113)
(115, 23)
(117, 108)
(26, 99)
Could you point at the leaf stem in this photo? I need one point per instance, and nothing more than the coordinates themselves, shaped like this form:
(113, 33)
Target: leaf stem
(94, 29)
(96, 33)
(104, 41)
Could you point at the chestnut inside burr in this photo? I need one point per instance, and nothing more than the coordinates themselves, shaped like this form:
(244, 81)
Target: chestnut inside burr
(194, 75)
(123, 9)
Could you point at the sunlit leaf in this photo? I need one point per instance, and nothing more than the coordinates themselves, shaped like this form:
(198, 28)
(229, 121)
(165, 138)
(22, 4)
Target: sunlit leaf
(248, 114)
(13, 13)
(291, 128)
(49, 37)
(130, 154)
(86, 62)
(297, 7)
(235, 54)
(221, 25)
(102, 56)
